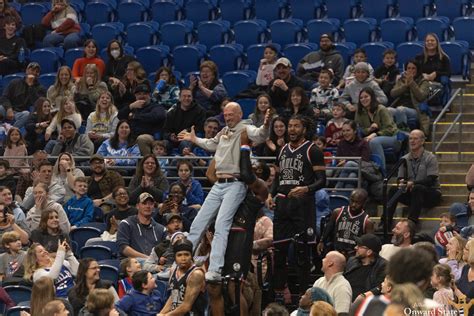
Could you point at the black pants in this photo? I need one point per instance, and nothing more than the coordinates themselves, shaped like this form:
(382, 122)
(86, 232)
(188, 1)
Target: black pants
(419, 197)
(293, 216)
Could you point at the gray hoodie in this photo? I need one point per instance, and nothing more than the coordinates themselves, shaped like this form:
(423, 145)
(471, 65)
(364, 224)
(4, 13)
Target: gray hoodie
(34, 215)
(351, 92)
(141, 238)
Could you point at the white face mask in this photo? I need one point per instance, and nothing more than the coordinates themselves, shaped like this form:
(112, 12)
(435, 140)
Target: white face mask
(115, 53)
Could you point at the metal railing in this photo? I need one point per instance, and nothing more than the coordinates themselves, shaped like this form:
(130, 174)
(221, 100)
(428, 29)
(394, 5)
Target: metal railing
(457, 120)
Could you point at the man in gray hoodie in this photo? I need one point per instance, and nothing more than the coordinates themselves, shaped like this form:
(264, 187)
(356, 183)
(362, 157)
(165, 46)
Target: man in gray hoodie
(327, 57)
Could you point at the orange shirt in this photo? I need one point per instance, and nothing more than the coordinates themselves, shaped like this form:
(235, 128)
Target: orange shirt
(80, 65)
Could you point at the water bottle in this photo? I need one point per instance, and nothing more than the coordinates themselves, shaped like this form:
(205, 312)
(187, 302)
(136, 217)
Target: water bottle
(21, 55)
(160, 85)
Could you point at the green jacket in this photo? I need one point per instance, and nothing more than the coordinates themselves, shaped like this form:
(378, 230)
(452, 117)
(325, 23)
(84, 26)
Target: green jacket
(418, 91)
(382, 118)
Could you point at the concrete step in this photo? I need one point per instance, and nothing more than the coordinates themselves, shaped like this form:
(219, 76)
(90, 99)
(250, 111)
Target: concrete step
(454, 136)
(443, 127)
(451, 177)
(466, 146)
(453, 156)
(454, 167)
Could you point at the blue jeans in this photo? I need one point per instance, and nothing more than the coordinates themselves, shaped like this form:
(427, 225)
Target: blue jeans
(348, 173)
(72, 40)
(403, 114)
(322, 208)
(20, 117)
(378, 144)
(222, 201)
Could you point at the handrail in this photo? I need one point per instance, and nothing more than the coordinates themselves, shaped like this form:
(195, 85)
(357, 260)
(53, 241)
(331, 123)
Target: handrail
(389, 176)
(457, 119)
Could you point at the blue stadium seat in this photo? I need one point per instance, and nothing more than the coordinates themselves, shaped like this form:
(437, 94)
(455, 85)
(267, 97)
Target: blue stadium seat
(176, 33)
(162, 287)
(112, 245)
(437, 24)
(248, 106)
(85, 30)
(228, 57)
(237, 81)
(415, 8)
(452, 8)
(378, 10)
(407, 51)
(322, 26)
(105, 32)
(286, 32)
(98, 12)
(97, 252)
(47, 79)
(132, 11)
(187, 58)
(212, 33)
(305, 10)
(249, 32)
(460, 58)
(32, 13)
(341, 9)
(6, 79)
(142, 34)
(152, 57)
(16, 310)
(337, 201)
(99, 225)
(199, 10)
(111, 262)
(72, 54)
(163, 11)
(396, 30)
(347, 50)
(295, 52)
(255, 54)
(48, 58)
(375, 51)
(463, 27)
(270, 10)
(234, 10)
(360, 30)
(109, 273)
(18, 293)
(15, 5)
(82, 234)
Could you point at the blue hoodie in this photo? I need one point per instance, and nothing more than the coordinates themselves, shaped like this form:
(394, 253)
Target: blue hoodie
(137, 303)
(106, 149)
(79, 211)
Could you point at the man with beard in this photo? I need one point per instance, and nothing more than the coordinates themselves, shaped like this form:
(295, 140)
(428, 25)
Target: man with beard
(366, 270)
(302, 172)
(326, 57)
(102, 182)
(402, 237)
(279, 88)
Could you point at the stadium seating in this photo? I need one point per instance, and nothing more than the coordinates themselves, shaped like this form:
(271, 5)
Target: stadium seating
(237, 81)
(347, 50)
(396, 30)
(415, 8)
(360, 31)
(18, 293)
(460, 58)
(105, 32)
(295, 52)
(48, 58)
(82, 234)
(163, 11)
(199, 10)
(452, 8)
(407, 51)
(152, 57)
(378, 10)
(142, 34)
(32, 13)
(47, 79)
(249, 32)
(187, 58)
(176, 33)
(286, 32)
(212, 33)
(228, 57)
(438, 25)
(98, 252)
(306, 10)
(99, 11)
(463, 27)
(315, 28)
(341, 9)
(270, 10)
(132, 11)
(375, 51)
(234, 10)
(255, 54)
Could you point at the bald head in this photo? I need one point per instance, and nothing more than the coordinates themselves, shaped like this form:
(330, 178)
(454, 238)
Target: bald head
(232, 114)
(337, 259)
(416, 140)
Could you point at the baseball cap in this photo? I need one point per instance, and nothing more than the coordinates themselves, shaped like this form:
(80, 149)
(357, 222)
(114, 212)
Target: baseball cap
(145, 196)
(142, 88)
(370, 241)
(283, 61)
(171, 216)
(96, 157)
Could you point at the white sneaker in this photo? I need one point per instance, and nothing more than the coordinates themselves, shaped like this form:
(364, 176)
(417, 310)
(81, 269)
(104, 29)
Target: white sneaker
(212, 276)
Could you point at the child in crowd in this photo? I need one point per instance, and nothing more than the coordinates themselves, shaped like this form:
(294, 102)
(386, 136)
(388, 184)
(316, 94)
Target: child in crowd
(143, 299)
(264, 102)
(128, 267)
(447, 228)
(11, 262)
(160, 149)
(323, 95)
(441, 280)
(15, 146)
(79, 208)
(194, 191)
(333, 130)
(386, 74)
(162, 256)
(359, 56)
(6, 176)
(267, 65)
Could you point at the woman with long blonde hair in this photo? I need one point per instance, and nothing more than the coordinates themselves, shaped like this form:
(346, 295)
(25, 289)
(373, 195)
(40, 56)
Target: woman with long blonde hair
(88, 90)
(102, 122)
(63, 87)
(42, 293)
(454, 252)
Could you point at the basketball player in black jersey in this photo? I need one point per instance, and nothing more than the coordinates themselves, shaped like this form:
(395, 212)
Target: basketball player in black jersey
(302, 173)
(187, 284)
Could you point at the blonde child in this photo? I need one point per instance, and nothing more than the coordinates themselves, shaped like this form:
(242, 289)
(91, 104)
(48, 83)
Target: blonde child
(441, 280)
(15, 146)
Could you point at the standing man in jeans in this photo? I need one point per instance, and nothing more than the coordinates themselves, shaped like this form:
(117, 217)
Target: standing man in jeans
(228, 193)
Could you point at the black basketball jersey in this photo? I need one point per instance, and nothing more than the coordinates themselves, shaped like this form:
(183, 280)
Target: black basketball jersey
(178, 290)
(296, 165)
(348, 227)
